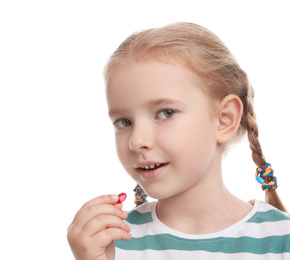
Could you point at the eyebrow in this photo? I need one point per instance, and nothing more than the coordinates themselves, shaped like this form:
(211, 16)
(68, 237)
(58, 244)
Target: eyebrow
(165, 101)
(154, 102)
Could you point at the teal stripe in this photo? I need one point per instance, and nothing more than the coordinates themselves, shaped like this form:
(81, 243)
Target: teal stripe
(137, 218)
(272, 244)
(269, 216)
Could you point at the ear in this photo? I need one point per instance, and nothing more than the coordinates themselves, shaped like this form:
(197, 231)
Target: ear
(230, 113)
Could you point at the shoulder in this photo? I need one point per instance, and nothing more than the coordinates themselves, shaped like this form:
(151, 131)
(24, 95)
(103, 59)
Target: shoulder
(142, 214)
(267, 213)
(268, 225)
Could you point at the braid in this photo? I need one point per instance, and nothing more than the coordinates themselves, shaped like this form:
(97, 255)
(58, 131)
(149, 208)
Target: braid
(249, 123)
(253, 134)
(140, 195)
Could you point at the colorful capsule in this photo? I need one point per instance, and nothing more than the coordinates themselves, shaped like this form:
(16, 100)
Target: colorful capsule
(122, 197)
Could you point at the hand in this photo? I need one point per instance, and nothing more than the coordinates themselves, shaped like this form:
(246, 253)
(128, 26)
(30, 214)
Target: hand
(96, 226)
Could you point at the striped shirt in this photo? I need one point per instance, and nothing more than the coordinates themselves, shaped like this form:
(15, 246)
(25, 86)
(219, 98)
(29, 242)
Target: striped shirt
(263, 234)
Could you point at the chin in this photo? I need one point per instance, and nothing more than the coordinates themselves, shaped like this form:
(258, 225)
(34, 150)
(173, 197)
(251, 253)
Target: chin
(156, 191)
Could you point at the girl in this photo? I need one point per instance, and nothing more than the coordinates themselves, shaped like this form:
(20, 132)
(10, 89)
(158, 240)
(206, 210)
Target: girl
(178, 99)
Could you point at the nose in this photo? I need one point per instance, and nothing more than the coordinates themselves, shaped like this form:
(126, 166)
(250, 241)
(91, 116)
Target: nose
(141, 139)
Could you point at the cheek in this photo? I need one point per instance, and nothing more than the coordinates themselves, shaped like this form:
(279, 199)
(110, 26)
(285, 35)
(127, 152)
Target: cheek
(191, 140)
(202, 146)
(125, 155)
(122, 148)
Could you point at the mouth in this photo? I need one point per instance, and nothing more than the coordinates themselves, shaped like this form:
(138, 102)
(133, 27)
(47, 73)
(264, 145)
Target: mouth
(151, 167)
(151, 170)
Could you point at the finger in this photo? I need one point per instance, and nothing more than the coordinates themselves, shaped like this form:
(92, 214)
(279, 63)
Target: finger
(104, 238)
(104, 199)
(119, 205)
(103, 222)
(102, 209)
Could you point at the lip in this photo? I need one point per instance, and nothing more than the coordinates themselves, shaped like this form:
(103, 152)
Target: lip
(150, 174)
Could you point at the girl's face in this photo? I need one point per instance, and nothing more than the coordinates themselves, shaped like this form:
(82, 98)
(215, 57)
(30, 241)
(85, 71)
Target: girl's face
(165, 127)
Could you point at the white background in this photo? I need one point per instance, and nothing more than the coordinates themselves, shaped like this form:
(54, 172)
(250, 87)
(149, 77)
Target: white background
(56, 141)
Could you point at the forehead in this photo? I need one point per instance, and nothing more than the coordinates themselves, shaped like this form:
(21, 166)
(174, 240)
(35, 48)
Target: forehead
(149, 84)
(150, 78)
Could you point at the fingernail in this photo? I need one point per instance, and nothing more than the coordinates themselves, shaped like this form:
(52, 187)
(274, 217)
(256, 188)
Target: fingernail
(115, 197)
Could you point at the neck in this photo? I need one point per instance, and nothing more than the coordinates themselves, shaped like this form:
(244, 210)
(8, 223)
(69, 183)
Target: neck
(206, 208)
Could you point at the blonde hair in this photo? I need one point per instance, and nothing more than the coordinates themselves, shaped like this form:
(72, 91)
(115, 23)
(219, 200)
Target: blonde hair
(205, 54)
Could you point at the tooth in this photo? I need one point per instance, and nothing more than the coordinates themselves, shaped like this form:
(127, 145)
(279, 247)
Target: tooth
(157, 164)
(147, 167)
(152, 166)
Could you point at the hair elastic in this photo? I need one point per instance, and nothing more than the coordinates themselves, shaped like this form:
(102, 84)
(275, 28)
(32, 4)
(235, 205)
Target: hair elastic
(265, 176)
(140, 195)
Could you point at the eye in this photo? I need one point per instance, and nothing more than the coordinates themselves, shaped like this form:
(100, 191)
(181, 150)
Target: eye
(166, 113)
(122, 123)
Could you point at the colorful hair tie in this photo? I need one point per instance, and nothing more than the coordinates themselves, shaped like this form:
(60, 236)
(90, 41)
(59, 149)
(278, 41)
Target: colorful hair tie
(140, 195)
(265, 176)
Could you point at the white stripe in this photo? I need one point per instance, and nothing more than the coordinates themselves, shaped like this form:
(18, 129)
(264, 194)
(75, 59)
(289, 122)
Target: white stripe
(254, 230)
(264, 207)
(188, 255)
